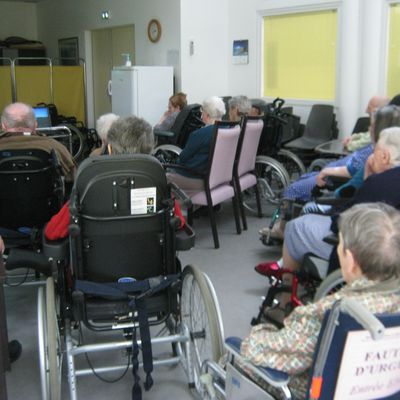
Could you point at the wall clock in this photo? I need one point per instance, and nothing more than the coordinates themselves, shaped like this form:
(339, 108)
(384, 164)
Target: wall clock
(154, 30)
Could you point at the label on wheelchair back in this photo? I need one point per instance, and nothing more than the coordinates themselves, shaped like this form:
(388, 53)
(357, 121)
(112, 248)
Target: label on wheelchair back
(370, 369)
(143, 200)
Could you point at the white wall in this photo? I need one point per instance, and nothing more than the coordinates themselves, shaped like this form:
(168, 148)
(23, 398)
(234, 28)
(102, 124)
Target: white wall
(204, 73)
(18, 19)
(61, 19)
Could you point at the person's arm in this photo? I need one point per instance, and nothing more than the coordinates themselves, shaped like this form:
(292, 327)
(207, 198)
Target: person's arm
(192, 146)
(332, 171)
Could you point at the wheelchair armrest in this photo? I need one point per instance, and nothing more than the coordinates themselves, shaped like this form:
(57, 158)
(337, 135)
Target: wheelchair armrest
(272, 376)
(163, 133)
(331, 239)
(185, 238)
(21, 258)
(55, 249)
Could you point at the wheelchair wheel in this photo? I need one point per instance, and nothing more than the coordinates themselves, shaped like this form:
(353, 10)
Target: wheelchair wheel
(200, 314)
(49, 343)
(272, 180)
(167, 153)
(331, 284)
(292, 163)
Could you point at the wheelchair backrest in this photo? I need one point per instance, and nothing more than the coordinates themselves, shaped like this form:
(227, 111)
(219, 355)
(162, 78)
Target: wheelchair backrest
(120, 209)
(357, 366)
(31, 188)
(187, 121)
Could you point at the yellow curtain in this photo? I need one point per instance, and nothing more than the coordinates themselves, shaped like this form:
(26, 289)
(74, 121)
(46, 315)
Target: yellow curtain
(300, 55)
(393, 72)
(34, 86)
(5, 86)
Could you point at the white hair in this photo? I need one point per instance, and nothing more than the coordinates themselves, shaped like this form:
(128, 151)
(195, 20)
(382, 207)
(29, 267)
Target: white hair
(214, 106)
(389, 139)
(103, 125)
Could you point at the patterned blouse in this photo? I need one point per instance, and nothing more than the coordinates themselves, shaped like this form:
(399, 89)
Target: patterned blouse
(291, 348)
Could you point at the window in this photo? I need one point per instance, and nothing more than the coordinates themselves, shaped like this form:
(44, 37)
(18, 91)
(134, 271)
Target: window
(300, 55)
(393, 72)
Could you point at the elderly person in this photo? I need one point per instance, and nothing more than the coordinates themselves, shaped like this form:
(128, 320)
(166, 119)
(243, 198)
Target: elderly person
(369, 254)
(305, 234)
(239, 106)
(129, 135)
(103, 124)
(175, 105)
(194, 155)
(352, 166)
(19, 125)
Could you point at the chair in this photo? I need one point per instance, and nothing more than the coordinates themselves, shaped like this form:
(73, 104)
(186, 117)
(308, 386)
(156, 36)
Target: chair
(122, 277)
(187, 121)
(244, 168)
(317, 130)
(356, 357)
(31, 188)
(218, 183)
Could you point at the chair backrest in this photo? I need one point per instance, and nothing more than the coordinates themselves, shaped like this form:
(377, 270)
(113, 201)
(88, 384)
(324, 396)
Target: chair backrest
(122, 208)
(320, 122)
(248, 145)
(362, 125)
(222, 153)
(356, 365)
(31, 188)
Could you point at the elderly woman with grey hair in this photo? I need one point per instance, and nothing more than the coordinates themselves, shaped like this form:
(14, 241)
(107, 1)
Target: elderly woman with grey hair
(194, 155)
(239, 106)
(103, 124)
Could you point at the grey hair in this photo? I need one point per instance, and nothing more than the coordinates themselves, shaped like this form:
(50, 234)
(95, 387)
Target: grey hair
(17, 116)
(131, 135)
(214, 106)
(242, 103)
(371, 231)
(383, 118)
(389, 139)
(103, 124)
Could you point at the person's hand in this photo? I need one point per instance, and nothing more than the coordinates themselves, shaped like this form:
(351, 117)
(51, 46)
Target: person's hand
(321, 179)
(1, 246)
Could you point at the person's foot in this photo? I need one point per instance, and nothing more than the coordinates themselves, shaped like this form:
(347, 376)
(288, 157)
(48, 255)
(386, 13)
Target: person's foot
(274, 233)
(14, 350)
(268, 268)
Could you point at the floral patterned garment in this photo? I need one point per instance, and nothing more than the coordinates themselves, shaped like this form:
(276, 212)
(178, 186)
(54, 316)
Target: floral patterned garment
(291, 348)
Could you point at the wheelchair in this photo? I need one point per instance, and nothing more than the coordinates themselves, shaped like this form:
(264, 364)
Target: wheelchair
(348, 333)
(117, 283)
(32, 192)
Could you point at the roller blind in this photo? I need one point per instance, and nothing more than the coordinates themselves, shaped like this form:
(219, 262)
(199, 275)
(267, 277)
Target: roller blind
(299, 57)
(393, 71)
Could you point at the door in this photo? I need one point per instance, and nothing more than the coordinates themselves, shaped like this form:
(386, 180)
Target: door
(108, 45)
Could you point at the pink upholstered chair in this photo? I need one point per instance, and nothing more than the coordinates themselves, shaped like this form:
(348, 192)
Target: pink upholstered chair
(244, 169)
(218, 183)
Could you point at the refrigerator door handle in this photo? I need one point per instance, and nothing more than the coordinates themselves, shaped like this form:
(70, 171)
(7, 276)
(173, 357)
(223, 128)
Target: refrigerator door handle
(109, 88)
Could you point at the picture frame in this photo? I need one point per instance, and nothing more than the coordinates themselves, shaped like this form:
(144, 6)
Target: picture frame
(68, 51)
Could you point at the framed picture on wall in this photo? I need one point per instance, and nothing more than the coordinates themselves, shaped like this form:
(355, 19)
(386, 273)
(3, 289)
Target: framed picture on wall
(68, 51)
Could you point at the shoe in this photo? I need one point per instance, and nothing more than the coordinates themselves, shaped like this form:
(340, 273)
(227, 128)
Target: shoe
(274, 233)
(268, 268)
(14, 350)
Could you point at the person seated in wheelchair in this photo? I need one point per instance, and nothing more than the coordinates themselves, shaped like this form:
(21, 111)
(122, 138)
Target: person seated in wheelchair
(351, 166)
(18, 124)
(369, 254)
(239, 106)
(175, 105)
(194, 156)
(103, 125)
(305, 234)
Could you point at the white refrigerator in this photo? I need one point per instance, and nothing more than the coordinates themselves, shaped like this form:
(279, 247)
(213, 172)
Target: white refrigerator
(142, 91)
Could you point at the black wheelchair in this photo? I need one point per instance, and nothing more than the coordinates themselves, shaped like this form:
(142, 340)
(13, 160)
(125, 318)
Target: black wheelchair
(118, 279)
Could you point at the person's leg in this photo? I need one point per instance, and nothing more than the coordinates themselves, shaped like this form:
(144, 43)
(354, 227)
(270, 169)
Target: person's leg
(190, 186)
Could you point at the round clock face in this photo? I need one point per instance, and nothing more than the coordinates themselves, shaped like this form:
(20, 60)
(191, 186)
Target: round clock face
(154, 30)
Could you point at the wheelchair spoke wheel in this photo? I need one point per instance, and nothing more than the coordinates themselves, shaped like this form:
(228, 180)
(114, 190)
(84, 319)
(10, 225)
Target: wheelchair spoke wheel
(200, 314)
(292, 163)
(49, 343)
(331, 284)
(272, 179)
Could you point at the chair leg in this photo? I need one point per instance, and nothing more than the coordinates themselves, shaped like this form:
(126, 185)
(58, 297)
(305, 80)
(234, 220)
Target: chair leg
(190, 215)
(258, 200)
(236, 214)
(213, 225)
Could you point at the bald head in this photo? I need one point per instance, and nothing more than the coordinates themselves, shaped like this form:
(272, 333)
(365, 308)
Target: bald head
(376, 102)
(18, 117)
